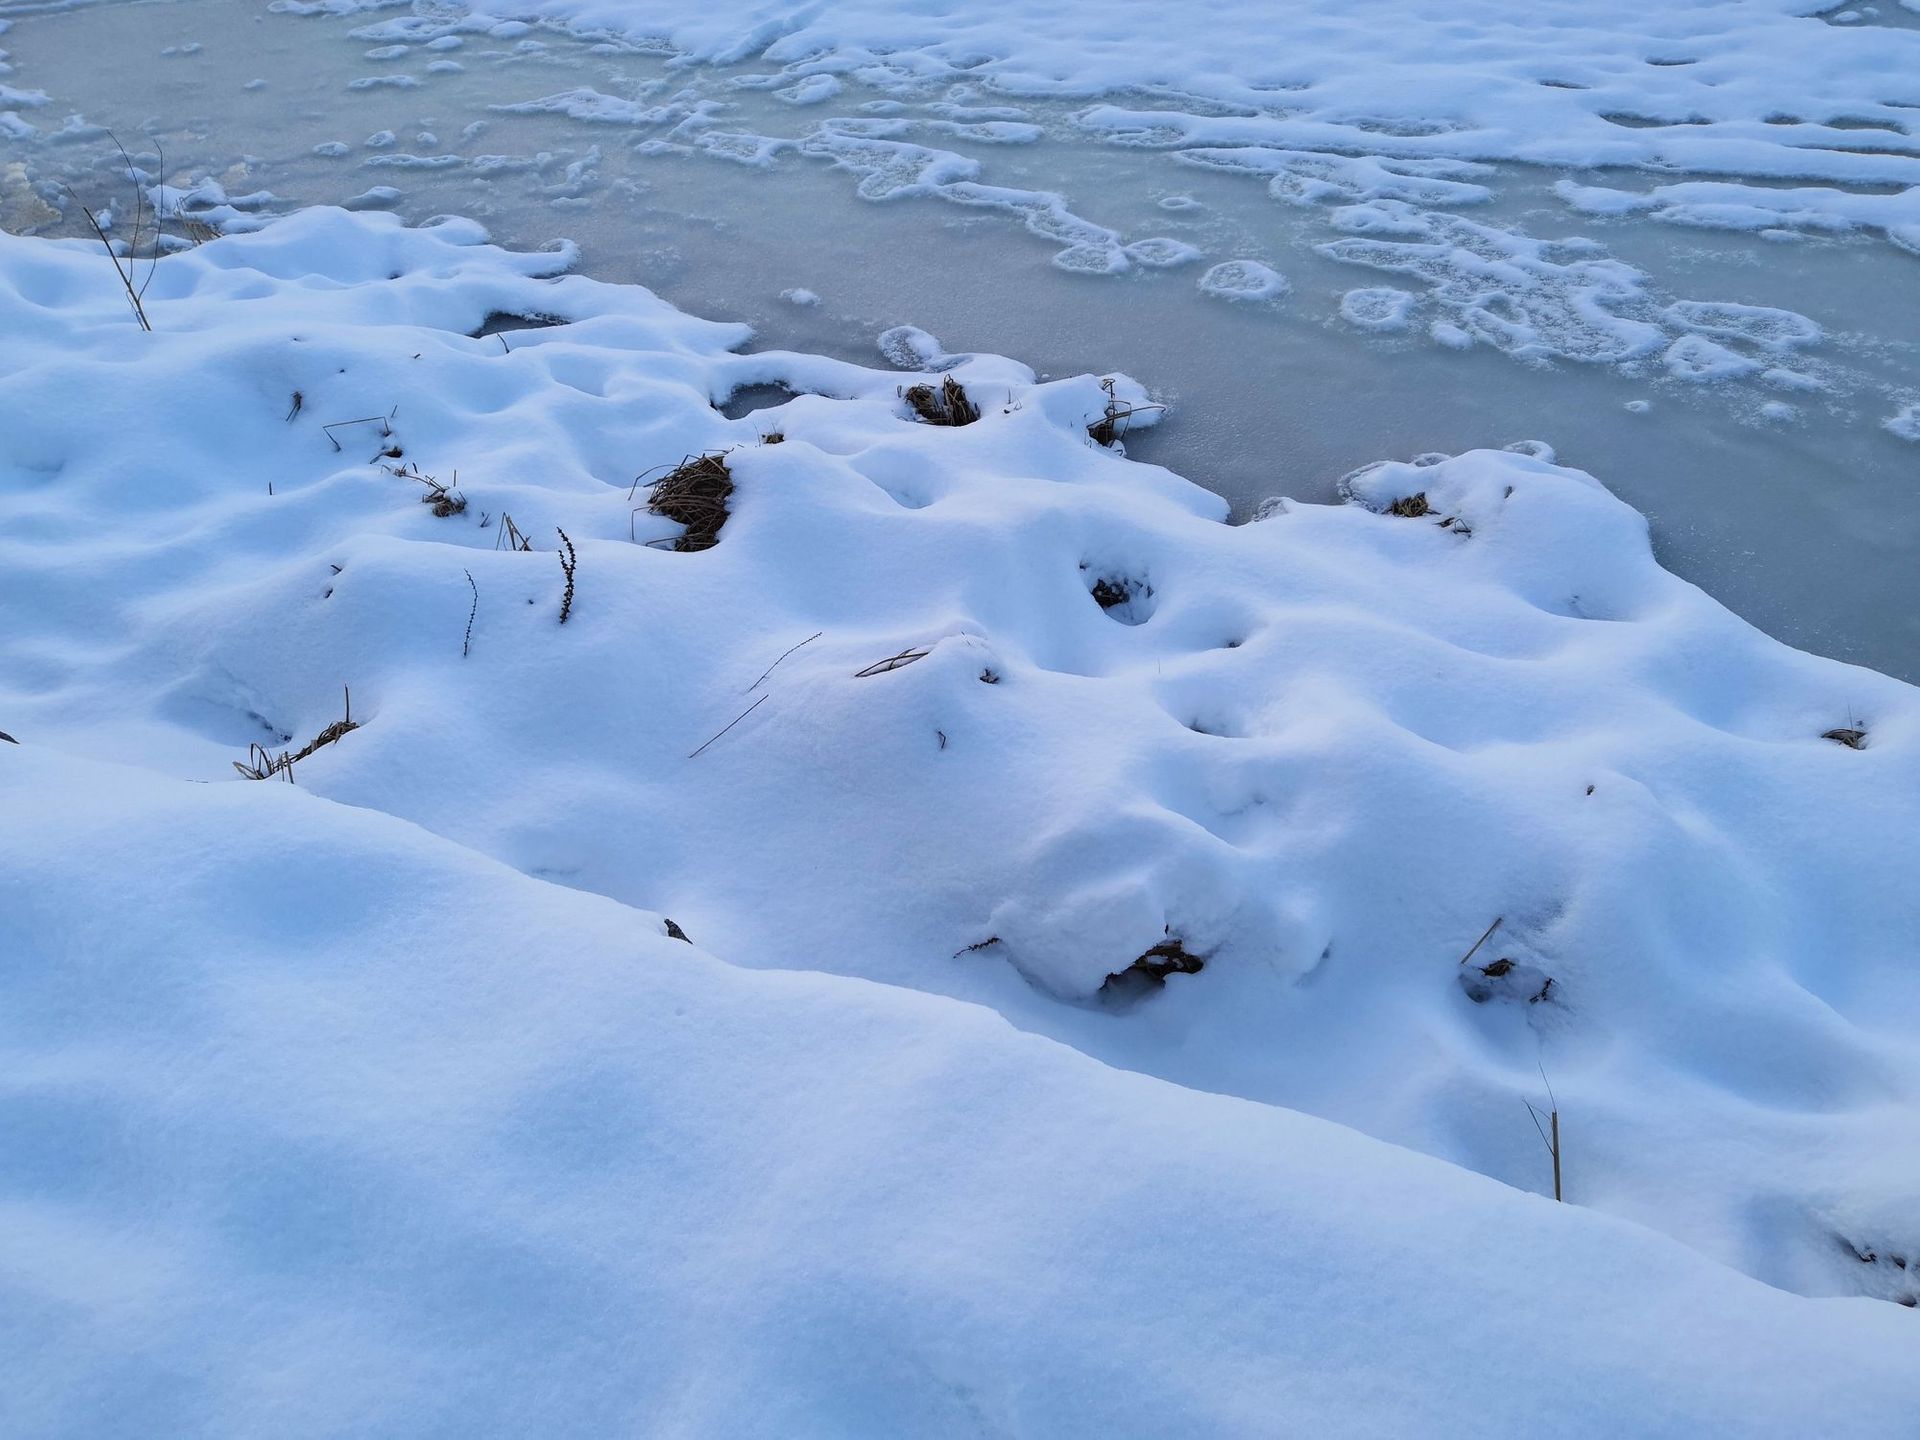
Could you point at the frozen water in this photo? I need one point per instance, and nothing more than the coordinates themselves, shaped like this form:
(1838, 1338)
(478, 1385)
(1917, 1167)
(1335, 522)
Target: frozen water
(1740, 376)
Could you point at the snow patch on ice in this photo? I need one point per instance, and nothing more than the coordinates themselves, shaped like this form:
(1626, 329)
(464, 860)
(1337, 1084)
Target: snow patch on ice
(1244, 280)
(1534, 299)
(1377, 308)
(1694, 357)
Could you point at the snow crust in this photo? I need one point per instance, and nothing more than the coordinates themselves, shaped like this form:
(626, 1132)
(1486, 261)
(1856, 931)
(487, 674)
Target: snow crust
(382, 1093)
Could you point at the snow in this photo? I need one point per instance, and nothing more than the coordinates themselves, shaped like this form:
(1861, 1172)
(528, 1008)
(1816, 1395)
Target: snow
(386, 1099)
(1377, 308)
(319, 1125)
(382, 1094)
(1534, 299)
(1243, 280)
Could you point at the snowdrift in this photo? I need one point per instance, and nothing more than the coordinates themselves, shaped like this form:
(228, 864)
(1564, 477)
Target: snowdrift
(319, 1125)
(333, 1114)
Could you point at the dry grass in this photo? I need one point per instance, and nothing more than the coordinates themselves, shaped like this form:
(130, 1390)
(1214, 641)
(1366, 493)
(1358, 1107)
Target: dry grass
(893, 662)
(445, 500)
(510, 535)
(263, 764)
(1113, 424)
(948, 405)
(1850, 736)
(1411, 507)
(694, 494)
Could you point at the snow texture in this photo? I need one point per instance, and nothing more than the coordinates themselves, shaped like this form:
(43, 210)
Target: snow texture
(381, 1101)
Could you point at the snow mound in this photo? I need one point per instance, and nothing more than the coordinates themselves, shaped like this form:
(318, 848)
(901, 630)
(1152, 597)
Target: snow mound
(319, 1125)
(983, 710)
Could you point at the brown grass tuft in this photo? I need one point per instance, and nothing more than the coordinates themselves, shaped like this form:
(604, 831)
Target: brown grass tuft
(948, 405)
(262, 764)
(694, 494)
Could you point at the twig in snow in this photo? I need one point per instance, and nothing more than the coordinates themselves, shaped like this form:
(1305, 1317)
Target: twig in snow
(139, 210)
(466, 645)
(136, 294)
(1483, 939)
(568, 560)
(776, 664)
(892, 662)
(126, 280)
(1113, 424)
(510, 536)
(385, 422)
(1553, 1144)
(733, 722)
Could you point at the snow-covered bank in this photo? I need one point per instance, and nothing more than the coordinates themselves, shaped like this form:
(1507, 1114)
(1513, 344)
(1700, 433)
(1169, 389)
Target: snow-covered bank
(318, 1125)
(416, 1097)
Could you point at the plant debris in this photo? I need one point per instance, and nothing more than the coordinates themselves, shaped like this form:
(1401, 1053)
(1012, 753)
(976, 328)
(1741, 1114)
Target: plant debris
(1850, 736)
(1108, 429)
(1119, 592)
(1150, 971)
(263, 764)
(1411, 507)
(892, 662)
(568, 560)
(445, 500)
(510, 536)
(694, 494)
(385, 422)
(948, 405)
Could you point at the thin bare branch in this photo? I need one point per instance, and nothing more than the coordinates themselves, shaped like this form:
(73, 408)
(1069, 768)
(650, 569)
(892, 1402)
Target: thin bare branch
(776, 664)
